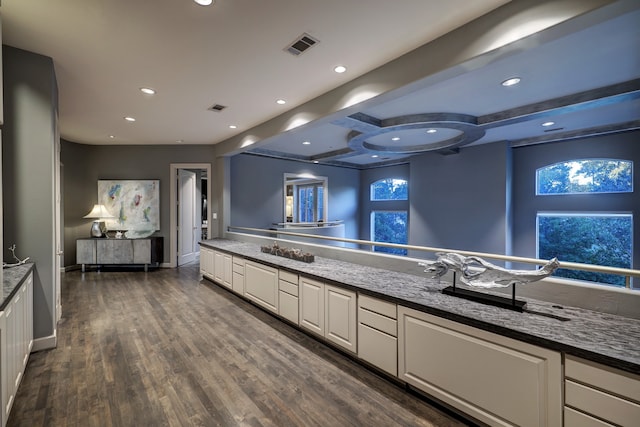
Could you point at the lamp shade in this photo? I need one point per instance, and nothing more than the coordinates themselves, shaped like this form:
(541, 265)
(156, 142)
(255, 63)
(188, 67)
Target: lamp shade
(98, 211)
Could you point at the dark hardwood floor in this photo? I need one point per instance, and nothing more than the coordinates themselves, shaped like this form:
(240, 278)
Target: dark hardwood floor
(166, 349)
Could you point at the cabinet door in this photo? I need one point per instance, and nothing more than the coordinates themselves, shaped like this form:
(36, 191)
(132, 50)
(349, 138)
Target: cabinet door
(497, 380)
(311, 300)
(142, 251)
(261, 285)
(85, 251)
(114, 251)
(340, 317)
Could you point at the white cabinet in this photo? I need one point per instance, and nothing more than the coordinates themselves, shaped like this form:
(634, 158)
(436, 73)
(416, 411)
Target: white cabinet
(340, 317)
(206, 262)
(312, 305)
(499, 381)
(288, 294)
(599, 395)
(237, 277)
(16, 332)
(223, 268)
(261, 285)
(329, 311)
(377, 333)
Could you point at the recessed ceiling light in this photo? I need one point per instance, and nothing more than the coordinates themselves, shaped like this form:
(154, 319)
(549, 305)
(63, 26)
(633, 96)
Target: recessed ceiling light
(432, 130)
(511, 81)
(306, 143)
(281, 102)
(315, 161)
(147, 91)
(545, 124)
(180, 141)
(374, 156)
(112, 136)
(204, 2)
(233, 127)
(395, 138)
(340, 69)
(130, 119)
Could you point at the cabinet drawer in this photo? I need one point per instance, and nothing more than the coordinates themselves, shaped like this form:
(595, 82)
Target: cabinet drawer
(238, 268)
(289, 277)
(385, 308)
(289, 307)
(288, 287)
(573, 418)
(381, 350)
(604, 378)
(238, 260)
(603, 405)
(382, 323)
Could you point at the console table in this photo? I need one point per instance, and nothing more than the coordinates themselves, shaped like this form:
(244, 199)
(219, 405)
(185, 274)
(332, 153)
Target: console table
(103, 251)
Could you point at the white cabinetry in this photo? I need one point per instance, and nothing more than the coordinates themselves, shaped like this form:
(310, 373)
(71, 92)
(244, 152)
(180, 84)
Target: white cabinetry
(377, 333)
(340, 317)
(312, 305)
(223, 268)
(288, 287)
(237, 277)
(597, 395)
(206, 262)
(261, 285)
(16, 332)
(329, 311)
(499, 381)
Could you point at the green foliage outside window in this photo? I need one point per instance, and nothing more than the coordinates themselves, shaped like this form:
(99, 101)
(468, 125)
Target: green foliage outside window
(585, 176)
(390, 189)
(597, 239)
(389, 227)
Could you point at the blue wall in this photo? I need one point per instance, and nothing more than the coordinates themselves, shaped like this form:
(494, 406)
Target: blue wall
(257, 195)
(461, 201)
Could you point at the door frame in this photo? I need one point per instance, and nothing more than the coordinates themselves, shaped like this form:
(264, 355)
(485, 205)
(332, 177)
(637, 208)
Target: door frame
(173, 196)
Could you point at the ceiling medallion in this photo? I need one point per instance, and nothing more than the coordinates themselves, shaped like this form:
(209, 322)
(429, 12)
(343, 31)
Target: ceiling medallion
(466, 125)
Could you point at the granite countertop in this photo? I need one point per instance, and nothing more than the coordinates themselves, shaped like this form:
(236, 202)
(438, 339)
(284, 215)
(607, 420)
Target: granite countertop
(12, 278)
(605, 338)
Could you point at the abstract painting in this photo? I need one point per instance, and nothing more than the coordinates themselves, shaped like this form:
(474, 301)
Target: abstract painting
(135, 204)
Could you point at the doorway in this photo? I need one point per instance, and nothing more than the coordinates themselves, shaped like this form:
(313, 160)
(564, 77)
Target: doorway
(189, 216)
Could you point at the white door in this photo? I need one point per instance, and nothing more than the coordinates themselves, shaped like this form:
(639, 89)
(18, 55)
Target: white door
(186, 216)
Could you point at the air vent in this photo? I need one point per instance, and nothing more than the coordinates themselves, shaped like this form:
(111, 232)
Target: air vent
(217, 107)
(553, 130)
(302, 43)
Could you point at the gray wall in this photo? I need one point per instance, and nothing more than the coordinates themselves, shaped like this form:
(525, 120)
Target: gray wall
(460, 201)
(526, 204)
(29, 137)
(84, 165)
(257, 195)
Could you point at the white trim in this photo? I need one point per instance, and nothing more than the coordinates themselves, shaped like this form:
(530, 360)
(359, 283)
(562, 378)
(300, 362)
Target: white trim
(45, 343)
(173, 221)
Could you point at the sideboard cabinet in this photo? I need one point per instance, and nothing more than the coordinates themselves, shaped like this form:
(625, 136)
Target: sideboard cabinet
(101, 251)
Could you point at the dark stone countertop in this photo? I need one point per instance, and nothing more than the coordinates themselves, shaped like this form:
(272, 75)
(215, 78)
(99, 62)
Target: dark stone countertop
(605, 338)
(12, 278)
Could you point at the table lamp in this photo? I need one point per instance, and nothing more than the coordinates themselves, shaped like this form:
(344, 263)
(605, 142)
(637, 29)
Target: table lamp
(98, 227)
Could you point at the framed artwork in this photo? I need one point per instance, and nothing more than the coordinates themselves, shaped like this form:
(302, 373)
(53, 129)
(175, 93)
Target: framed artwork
(135, 204)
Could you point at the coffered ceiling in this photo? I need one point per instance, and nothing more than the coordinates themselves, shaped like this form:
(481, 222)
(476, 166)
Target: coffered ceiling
(583, 75)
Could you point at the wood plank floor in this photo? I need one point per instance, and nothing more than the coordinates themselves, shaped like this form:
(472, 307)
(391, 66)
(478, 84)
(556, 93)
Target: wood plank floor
(166, 349)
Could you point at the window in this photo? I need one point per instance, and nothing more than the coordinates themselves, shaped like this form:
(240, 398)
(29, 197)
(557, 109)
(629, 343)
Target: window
(600, 239)
(389, 189)
(310, 203)
(389, 227)
(585, 176)
(389, 224)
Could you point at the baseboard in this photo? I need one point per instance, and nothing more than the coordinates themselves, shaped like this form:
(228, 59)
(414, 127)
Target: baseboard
(45, 343)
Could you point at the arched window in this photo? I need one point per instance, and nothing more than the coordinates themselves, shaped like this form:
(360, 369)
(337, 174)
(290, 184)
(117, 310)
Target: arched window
(389, 224)
(599, 238)
(585, 176)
